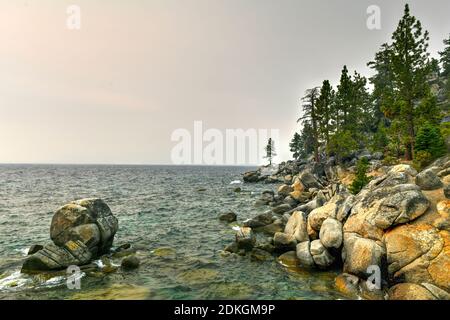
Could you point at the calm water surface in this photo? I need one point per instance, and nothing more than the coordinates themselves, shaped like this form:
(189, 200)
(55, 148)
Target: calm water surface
(160, 210)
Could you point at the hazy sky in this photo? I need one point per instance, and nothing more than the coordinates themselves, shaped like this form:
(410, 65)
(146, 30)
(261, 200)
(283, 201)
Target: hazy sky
(114, 91)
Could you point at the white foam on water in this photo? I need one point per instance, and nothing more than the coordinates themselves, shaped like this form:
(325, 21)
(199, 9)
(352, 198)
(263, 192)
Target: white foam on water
(13, 281)
(236, 228)
(99, 263)
(236, 182)
(56, 281)
(23, 251)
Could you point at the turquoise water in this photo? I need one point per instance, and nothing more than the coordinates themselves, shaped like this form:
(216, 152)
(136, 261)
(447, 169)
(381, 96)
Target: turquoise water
(161, 211)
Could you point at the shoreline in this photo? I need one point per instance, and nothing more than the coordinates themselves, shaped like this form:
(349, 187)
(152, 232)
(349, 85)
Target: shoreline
(360, 234)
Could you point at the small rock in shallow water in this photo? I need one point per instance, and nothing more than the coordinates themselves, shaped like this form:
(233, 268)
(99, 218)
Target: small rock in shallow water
(347, 284)
(245, 238)
(282, 208)
(124, 253)
(228, 217)
(34, 248)
(131, 262)
(231, 248)
(165, 252)
(260, 255)
(283, 241)
(289, 259)
(115, 292)
(122, 247)
(197, 276)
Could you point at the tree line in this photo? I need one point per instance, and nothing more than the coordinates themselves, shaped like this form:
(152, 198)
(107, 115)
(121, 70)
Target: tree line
(399, 117)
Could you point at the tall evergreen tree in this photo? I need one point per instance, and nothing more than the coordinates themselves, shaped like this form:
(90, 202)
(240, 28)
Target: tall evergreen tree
(307, 138)
(270, 150)
(324, 110)
(410, 67)
(362, 112)
(296, 146)
(311, 115)
(343, 101)
(445, 58)
(383, 83)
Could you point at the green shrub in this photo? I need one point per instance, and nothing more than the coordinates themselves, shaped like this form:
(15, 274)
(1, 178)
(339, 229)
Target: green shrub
(422, 159)
(361, 179)
(429, 139)
(389, 161)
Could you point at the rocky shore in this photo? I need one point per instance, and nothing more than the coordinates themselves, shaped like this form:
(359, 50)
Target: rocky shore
(391, 240)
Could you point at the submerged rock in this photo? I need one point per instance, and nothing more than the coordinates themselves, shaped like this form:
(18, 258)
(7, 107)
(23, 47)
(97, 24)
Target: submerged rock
(260, 255)
(197, 276)
(228, 217)
(289, 259)
(115, 292)
(130, 262)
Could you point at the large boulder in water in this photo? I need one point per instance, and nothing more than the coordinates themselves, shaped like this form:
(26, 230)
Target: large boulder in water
(81, 231)
(89, 221)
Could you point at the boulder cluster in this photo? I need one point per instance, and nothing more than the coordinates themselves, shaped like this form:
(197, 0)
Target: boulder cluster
(80, 231)
(396, 227)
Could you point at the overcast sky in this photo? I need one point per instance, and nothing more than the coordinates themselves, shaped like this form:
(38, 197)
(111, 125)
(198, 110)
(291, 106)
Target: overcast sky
(114, 91)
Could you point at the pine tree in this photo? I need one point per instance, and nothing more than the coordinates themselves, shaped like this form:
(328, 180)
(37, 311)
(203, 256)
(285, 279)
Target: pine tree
(270, 150)
(429, 139)
(307, 137)
(410, 68)
(362, 113)
(343, 101)
(361, 178)
(311, 115)
(445, 58)
(296, 145)
(342, 144)
(324, 110)
(383, 87)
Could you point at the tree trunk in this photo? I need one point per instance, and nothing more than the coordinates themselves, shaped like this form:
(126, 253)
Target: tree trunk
(409, 153)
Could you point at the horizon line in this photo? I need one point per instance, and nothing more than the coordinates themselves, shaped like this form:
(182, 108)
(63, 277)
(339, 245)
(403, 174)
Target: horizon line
(128, 164)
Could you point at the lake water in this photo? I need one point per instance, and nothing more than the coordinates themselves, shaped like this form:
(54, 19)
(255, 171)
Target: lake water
(161, 211)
